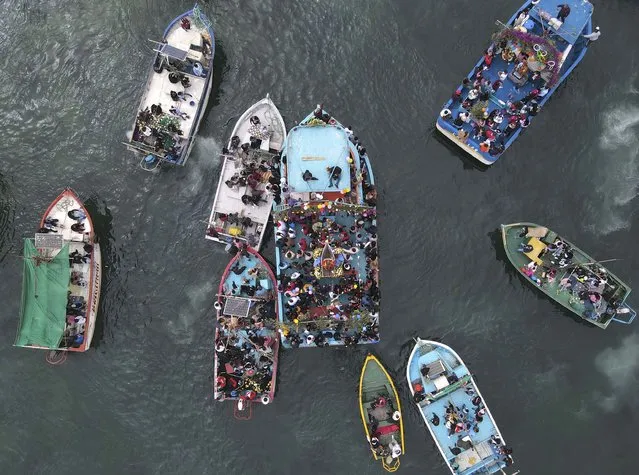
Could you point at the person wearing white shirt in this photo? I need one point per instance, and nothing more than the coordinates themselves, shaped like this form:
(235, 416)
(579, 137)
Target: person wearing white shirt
(594, 36)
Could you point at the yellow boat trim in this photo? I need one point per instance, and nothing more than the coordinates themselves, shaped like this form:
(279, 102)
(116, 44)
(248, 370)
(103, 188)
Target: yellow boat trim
(369, 358)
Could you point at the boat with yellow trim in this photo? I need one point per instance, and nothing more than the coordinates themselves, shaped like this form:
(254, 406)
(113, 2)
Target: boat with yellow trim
(381, 414)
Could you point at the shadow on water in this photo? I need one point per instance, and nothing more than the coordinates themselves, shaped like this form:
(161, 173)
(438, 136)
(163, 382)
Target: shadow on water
(501, 256)
(103, 224)
(7, 216)
(468, 162)
(220, 69)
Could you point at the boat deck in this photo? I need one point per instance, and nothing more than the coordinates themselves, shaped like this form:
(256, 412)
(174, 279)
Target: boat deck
(475, 451)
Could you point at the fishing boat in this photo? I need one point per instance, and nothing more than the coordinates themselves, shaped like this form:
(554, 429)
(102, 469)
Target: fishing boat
(532, 54)
(249, 178)
(176, 92)
(246, 337)
(61, 284)
(381, 414)
(454, 410)
(567, 274)
(326, 237)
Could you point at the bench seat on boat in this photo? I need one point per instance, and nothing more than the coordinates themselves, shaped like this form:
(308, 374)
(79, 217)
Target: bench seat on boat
(538, 247)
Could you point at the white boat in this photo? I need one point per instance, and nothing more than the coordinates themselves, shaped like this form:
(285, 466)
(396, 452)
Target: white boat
(176, 93)
(249, 177)
(62, 274)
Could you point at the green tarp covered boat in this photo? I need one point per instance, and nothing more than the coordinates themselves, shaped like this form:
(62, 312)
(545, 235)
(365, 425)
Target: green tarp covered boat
(567, 274)
(61, 283)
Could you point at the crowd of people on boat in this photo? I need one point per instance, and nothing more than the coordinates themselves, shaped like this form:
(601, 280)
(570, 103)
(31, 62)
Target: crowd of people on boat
(464, 419)
(160, 130)
(587, 282)
(352, 295)
(245, 345)
(491, 129)
(391, 416)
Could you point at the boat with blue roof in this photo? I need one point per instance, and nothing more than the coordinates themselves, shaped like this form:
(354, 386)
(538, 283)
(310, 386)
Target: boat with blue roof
(176, 93)
(567, 274)
(246, 336)
(454, 411)
(250, 177)
(326, 237)
(532, 54)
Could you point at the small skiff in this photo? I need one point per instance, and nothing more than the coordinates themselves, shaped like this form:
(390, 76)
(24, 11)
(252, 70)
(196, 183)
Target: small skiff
(381, 414)
(246, 337)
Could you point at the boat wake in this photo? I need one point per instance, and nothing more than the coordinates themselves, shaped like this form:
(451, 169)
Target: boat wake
(620, 145)
(621, 367)
(199, 172)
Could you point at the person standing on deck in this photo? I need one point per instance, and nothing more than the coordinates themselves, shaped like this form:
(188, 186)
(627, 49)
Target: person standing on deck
(564, 11)
(594, 36)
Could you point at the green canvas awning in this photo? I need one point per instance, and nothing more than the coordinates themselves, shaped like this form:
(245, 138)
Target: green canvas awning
(44, 298)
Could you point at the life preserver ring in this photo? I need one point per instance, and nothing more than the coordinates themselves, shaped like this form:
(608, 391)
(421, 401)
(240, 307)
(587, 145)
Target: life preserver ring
(445, 113)
(220, 381)
(289, 255)
(347, 267)
(220, 348)
(397, 416)
(381, 402)
(198, 70)
(266, 399)
(217, 305)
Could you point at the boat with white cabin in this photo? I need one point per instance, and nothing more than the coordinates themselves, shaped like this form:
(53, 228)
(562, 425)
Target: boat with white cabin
(249, 178)
(176, 92)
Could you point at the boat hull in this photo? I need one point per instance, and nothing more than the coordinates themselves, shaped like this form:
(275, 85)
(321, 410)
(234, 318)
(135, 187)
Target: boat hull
(228, 201)
(481, 454)
(66, 201)
(260, 341)
(375, 382)
(573, 54)
(152, 95)
(513, 240)
(320, 321)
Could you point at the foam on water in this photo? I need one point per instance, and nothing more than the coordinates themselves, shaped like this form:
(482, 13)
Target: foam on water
(621, 367)
(619, 145)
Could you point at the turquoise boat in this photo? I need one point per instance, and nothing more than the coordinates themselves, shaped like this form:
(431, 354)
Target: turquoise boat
(567, 274)
(326, 237)
(454, 411)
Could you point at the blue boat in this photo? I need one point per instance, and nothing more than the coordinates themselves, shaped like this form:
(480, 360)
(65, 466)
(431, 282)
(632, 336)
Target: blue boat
(176, 92)
(528, 59)
(455, 411)
(326, 237)
(246, 337)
